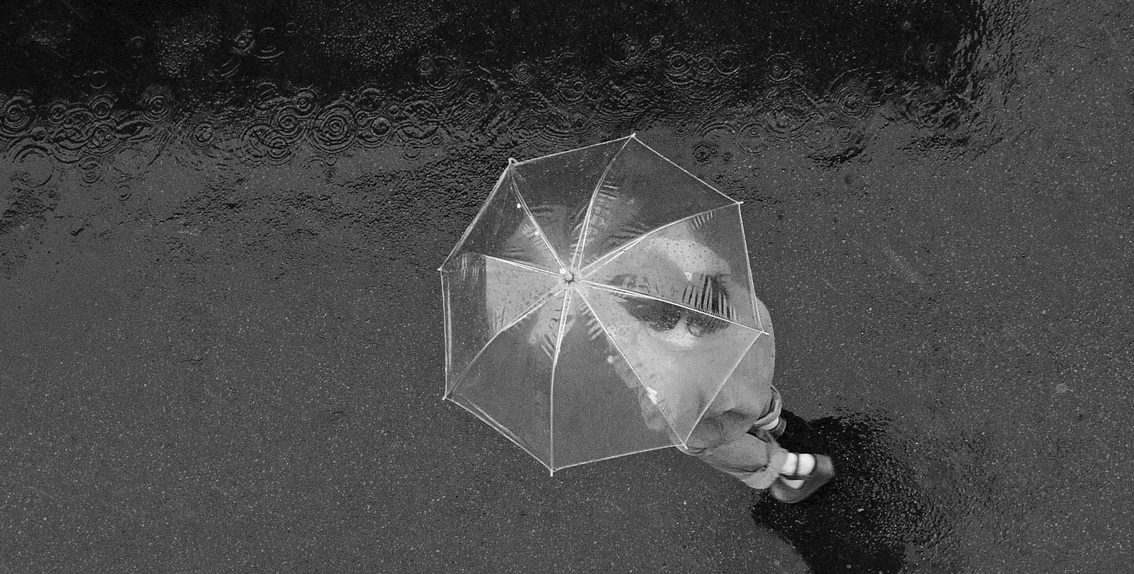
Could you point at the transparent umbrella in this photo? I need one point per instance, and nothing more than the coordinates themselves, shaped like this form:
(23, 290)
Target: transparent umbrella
(598, 303)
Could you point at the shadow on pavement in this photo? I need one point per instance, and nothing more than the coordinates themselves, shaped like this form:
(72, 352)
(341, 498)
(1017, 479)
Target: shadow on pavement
(870, 516)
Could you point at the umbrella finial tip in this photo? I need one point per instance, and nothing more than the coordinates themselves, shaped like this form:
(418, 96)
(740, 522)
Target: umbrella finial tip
(512, 161)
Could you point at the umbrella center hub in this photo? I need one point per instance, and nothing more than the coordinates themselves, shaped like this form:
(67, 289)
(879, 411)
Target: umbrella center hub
(567, 274)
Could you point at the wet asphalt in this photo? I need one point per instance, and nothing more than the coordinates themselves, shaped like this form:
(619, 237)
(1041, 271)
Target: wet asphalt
(221, 323)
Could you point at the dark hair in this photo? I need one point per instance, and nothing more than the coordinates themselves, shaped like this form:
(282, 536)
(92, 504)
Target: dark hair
(708, 294)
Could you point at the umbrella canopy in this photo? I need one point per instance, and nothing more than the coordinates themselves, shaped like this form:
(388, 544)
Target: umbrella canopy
(598, 303)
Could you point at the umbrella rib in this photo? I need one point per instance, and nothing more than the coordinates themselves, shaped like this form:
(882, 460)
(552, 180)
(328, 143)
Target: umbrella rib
(521, 265)
(554, 366)
(572, 150)
(449, 320)
(577, 257)
(751, 279)
(615, 456)
(707, 184)
(448, 332)
(597, 263)
(725, 382)
(535, 222)
(627, 292)
(622, 354)
(483, 210)
(472, 408)
(535, 306)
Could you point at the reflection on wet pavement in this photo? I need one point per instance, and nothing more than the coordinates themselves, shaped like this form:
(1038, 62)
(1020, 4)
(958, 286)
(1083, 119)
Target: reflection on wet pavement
(220, 320)
(894, 503)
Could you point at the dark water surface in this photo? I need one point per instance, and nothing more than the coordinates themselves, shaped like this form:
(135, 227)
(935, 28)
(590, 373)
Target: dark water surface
(220, 320)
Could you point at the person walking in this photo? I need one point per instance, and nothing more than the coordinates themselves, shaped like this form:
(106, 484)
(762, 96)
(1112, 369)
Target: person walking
(740, 431)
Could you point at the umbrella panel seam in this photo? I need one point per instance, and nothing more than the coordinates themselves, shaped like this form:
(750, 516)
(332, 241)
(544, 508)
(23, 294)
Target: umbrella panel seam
(622, 355)
(539, 229)
(725, 382)
(615, 456)
(627, 292)
(577, 256)
(484, 209)
(480, 414)
(535, 306)
(535, 159)
(687, 172)
(520, 264)
(554, 366)
(448, 333)
(751, 278)
(599, 263)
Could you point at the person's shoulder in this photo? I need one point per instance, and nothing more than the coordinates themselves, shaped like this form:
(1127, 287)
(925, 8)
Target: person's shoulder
(764, 316)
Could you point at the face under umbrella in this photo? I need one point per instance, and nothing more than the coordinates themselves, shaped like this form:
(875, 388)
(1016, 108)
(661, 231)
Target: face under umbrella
(597, 304)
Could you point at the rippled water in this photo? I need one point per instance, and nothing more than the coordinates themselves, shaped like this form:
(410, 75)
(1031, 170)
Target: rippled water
(199, 88)
(219, 228)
